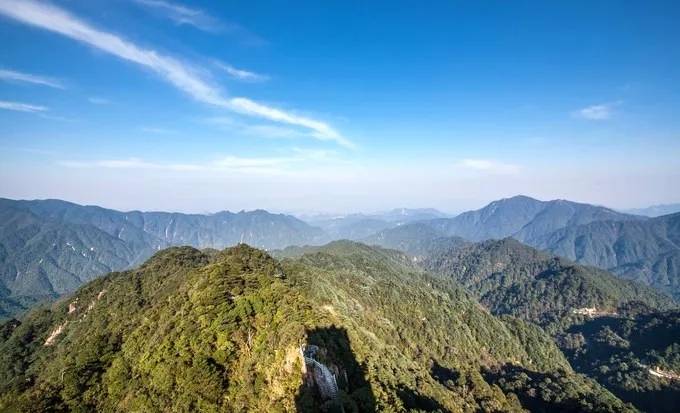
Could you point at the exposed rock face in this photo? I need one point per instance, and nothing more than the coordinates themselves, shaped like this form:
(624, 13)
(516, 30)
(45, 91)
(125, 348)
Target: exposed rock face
(55, 333)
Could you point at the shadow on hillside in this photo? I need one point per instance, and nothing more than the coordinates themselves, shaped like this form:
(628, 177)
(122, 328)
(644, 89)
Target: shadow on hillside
(331, 347)
(547, 392)
(413, 400)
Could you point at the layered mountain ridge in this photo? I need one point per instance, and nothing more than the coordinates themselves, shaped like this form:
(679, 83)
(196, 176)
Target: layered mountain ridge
(634, 247)
(51, 247)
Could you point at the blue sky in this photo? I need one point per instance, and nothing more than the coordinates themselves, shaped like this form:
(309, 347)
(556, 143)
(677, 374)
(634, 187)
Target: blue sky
(338, 106)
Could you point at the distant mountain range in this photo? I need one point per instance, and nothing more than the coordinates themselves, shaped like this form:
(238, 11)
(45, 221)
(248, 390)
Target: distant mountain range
(51, 247)
(524, 219)
(632, 246)
(655, 210)
(358, 226)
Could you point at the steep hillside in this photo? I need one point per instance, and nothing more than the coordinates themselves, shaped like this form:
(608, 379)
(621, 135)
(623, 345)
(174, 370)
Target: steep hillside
(637, 358)
(646, 251)
(51, 247)
(512, 278)
(224, 331)
(582, 307)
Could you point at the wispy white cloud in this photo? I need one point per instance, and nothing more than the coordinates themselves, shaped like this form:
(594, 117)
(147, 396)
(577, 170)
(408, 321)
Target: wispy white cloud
(602, 111)
(158, 131)
(21, 107)
(228, 164)
(200, 19)
(240, 74)
(129, 163)
(489, 166)
(14, 76)
(267, 131)
(177, 73)
(98, 101)
(292, 163)
(271, 131)
(320, 130)
(182, 15)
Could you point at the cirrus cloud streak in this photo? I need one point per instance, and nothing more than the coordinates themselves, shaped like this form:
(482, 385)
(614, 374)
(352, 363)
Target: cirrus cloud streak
(181, 75)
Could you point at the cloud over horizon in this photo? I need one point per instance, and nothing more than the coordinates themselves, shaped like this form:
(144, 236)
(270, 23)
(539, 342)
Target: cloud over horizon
(488, 165)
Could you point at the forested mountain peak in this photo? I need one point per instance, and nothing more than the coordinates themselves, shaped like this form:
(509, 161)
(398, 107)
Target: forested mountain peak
(224, 330)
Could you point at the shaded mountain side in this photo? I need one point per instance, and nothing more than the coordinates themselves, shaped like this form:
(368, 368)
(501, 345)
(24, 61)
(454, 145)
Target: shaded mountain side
(51, 247)
(511, 278)
(646, 251)
(223, 331)
(524, 218)
(39, 257)
(636, 358)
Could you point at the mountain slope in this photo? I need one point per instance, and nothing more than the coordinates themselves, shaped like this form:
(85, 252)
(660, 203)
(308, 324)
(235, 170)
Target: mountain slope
(646, 251)
(51, 247)
(222, 331)
(610, 329)
(512, 278)
(636, 358)
(639, 248)
(523, 218)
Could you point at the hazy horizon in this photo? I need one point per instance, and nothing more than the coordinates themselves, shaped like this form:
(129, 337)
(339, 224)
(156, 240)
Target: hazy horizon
(320, 214)
(198, 107)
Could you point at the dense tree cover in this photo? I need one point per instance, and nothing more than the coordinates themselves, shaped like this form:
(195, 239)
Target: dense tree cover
(220, 331)
(616, 348)
(619, 353)
(511, 278)
(554, 391)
